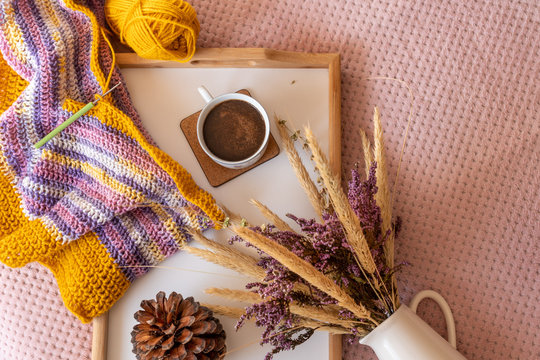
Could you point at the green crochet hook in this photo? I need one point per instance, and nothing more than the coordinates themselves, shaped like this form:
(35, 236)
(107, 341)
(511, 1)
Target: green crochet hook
(74, 117)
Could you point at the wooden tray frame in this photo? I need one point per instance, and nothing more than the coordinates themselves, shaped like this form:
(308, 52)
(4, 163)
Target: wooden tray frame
(249, 58)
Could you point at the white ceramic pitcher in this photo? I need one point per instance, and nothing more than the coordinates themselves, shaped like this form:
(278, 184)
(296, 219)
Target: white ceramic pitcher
(404, 336)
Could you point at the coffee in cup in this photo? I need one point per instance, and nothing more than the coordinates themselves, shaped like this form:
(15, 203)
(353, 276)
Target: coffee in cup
(233, 129)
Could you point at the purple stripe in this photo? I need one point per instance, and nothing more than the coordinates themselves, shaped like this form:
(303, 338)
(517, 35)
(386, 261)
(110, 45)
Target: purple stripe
(48, 68)
(51, 200)
(109, 140)
(37, 203)
(120, 255)
(157, 233)
(69, 230)
(121, 178)
(13, 153)
(52, 171)
(10, 55)
(20, 156)
(48, 178)
(81, 25)
(60, 223)
(131, 256)
(71, 46)
(143, 235)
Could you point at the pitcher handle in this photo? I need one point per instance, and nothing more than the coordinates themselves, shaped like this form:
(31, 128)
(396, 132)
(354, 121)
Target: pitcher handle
(450, 325)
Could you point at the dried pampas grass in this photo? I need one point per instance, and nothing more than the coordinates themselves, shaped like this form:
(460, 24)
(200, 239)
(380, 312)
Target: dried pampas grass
(346, 215)
(336, 275)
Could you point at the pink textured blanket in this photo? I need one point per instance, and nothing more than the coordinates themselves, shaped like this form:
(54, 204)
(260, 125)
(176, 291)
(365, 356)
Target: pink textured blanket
(468, 189)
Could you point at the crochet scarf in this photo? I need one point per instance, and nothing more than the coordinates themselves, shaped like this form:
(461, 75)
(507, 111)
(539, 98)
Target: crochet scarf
(99, 203)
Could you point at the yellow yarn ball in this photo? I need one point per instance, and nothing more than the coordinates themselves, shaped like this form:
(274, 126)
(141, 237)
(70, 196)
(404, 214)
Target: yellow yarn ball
(155, 29)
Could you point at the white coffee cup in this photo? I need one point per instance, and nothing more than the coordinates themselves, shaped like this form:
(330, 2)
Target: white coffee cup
(211, 103)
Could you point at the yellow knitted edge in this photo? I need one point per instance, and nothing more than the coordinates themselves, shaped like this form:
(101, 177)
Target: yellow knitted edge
(11, 87)
(182, 178)
(89, 280)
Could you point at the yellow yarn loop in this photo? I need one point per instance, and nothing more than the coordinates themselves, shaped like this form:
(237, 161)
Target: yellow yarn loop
(155, 29)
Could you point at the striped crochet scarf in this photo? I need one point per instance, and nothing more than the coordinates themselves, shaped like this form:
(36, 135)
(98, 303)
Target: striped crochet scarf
(99, 202)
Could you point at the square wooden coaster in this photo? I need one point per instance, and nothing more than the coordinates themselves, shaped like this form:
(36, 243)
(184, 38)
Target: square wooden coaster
(216, 174)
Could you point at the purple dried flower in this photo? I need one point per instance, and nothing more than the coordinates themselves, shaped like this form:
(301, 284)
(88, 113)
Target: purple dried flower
(346, 314)
(361, 196)
(325, 246)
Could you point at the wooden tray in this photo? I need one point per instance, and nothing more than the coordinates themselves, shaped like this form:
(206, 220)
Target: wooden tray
(256, 59)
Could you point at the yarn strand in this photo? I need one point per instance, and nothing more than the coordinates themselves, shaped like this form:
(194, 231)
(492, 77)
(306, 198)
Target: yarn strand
(113, 63)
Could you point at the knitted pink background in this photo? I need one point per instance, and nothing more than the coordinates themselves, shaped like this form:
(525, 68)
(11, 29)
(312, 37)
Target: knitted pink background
(468, 190)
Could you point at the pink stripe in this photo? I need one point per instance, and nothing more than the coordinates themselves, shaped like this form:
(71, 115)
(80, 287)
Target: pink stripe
(10, 56)
(109, 142)
(157, 233)
(32, 203)
(74, 224)
(46, 88)
(126, 256)
(113, 200)
(116, 202)
(10, 139)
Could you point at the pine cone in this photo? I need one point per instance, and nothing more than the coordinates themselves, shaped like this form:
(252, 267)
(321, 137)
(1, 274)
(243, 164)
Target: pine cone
(177, 329)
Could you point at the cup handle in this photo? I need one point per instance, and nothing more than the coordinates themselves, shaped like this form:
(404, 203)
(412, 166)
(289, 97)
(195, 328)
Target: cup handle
(450, 325)
(205, 94)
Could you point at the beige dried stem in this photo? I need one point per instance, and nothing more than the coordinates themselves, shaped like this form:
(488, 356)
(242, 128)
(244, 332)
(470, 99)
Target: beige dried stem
(238, 295)
(317, 325)
(226, 256)
(383, 199)
(346, 215)
(366, 147)
(232, 312)
(320, 315)
(324, 315)
(236, 313)
(383, 193)
(231, 217)
(302, 174)
(305, 270)
(272, 217)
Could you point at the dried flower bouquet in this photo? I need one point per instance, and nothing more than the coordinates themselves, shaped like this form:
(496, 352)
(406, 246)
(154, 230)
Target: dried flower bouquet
(336, 274)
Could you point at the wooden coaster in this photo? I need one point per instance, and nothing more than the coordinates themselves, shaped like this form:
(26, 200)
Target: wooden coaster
(216, 174)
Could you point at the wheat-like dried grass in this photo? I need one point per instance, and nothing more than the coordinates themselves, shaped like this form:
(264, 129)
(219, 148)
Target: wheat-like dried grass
(238, 295)
(299, 169)
(231, 258)
(319, 326)
(383, 193)
(219, 259)
(346, 215)
(271, 216)
(226, 256)
(225, 310)
(236, 313)
(323, 315)
(368, 155)
(305, 270)
(231, 217)
(247, 263)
